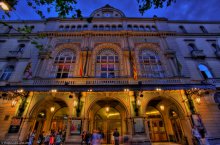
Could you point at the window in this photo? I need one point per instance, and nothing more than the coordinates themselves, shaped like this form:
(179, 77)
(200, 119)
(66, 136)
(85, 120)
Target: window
(183, 30)
(61, 28)
(113, 28)
(107, 64)
(215, 46)
(203, 29)
(150, 64)
(85, 27)
(129, 27)
(154, 28)
(119, 27)
(192, 46)
(7, 72)
(79, 28)
(135, 28)
(107, 27)
(94, 27)
(64, 64)
(73, 28)
(205, 71)
(67, 28)
(101, 27)
(148, 28)
(141, 28)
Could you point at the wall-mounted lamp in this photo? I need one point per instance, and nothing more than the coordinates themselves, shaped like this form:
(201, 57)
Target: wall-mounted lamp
(89, 90)
(13, 103)
(20, 91)
(158, 89)
(198, 100)
(107, 109)
(138, 103)
(75, 103)
(162, 107)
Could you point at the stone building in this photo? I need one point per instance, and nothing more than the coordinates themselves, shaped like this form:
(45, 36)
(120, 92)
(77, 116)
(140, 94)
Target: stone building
(151, 78)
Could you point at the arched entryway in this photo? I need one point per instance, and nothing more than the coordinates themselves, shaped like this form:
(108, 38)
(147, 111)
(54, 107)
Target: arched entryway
(106, 115)
(165, 121)
(52, 115)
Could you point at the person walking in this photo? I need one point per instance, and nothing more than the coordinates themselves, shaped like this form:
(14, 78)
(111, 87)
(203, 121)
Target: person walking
(40, 138)
(196, 136)
(116, 136)
(31, 138)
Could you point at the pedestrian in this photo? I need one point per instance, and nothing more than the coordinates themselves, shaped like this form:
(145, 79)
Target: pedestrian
(47, 139)
(116, 136)
(88, 138)
(83, 137)
(196, 135)
(96, 138)
(58, 138)
(40, 139)
(102, 136)
(32, 138)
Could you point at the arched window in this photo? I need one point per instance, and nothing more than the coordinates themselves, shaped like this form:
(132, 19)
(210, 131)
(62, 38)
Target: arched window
(79, 28)
(203, 29)
(135, 28)
(120, 27)
(7, 72)
(61, 28)
(141, 28)
(64, 64)
(85, 27)
(67, 28)
(182, 28)
(154, 28)
(101, 27)
(107, 27)
(192, 46)
(129, 27)
(150, 64)
(95, 27)
(205, 71)
(147, 28)
(73, 28)
(107, 64)
(113, 27)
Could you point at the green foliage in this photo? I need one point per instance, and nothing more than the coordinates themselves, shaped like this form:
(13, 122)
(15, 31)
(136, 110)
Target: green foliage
(145, 5)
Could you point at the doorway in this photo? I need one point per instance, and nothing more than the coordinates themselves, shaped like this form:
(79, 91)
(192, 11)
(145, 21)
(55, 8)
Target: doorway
(107, 121)
(156, 126)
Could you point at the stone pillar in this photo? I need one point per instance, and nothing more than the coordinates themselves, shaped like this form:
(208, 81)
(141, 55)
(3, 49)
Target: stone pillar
(26, 128)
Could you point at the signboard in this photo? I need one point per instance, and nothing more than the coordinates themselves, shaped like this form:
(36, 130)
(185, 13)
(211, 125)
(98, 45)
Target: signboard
(15, 125)
(139, 125)
(75, 127)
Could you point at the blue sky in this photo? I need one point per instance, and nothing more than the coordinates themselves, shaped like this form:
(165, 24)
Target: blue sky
(181, 10)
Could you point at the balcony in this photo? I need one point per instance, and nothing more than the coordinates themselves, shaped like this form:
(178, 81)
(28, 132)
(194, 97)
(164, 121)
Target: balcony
(198, 54)
(103, 81)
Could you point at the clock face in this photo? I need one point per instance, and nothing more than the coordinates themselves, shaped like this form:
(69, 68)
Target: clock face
(107, 14)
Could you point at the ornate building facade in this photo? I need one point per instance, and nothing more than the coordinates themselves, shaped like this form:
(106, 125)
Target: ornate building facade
(151, 78)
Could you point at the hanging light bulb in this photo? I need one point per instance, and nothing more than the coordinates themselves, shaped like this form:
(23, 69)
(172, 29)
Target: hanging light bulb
(52, 109)
(13, 103)
(107, 109)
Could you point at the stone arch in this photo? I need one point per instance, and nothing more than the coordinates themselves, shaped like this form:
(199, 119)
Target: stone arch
(45, 100)
(172, 101)
(112, 46)
(104, 98)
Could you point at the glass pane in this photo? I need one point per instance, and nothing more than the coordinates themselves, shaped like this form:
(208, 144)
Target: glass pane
(68, 59)
(116, 59)
(98, 59)
(110, 67)
(61, 60)
(60, 68)
(58, 75)
(65, 75)
(104, 75)
(111, 75)
(66, 68)
(104, 59)
(111, 59)
(104, 67)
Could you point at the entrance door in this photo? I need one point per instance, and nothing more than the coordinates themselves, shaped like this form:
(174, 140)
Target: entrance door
(107, 122)
(156, 130)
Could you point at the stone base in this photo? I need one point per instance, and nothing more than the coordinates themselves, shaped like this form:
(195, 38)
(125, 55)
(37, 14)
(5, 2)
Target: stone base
(140, 140)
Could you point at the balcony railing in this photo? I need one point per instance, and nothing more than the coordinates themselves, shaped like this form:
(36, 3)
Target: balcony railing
(104, 81)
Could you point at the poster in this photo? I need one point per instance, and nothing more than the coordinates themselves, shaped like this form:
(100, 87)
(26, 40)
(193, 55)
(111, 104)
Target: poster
(15, 125)
(75, 127)
(138, 125)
